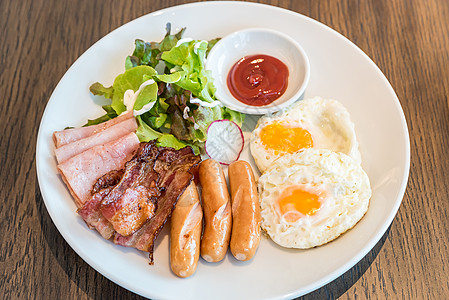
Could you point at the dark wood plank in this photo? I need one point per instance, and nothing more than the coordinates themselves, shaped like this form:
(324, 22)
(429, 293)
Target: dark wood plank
(408, 40)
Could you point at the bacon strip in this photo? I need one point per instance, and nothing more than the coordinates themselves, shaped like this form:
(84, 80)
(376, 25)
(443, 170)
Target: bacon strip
(109, 179)
(104, 136)
(175, 169)
(67, 136)
(82, 171)
(131, 203)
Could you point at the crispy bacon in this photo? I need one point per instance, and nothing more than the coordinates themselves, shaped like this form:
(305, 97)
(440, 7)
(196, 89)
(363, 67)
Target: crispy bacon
(131, 210)
(137, 201)
(107, 180)
(131, 203)
(175, 169)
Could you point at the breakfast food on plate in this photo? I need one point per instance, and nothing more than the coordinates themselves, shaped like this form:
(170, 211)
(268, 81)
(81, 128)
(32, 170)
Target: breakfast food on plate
(310, 123)
(246, 218)
(133, 168)
(310, 197)
(132, 205)
(217, 211)
(185, 233)
(127, 168)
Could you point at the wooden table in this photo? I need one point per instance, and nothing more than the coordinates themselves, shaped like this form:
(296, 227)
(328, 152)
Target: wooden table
(407, 39)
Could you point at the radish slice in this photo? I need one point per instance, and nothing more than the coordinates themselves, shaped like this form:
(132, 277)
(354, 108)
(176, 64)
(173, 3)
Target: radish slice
(224, 141)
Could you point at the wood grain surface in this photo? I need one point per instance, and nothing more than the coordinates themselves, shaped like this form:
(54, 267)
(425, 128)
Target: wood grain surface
(407, 39)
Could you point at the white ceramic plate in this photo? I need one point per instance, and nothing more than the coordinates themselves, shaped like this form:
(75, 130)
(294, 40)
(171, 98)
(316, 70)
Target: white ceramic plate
(339, 70)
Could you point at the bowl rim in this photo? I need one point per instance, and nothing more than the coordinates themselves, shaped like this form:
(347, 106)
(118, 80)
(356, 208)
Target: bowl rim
(274, 106)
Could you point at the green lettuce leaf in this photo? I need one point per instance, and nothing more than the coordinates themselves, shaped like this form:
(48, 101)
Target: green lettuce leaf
(145, 134)
(211, 44)
(234, 116)
(158, 117)
(130, 80)
(168, 140)
(110, 114)
(99, 90)
(203, 117)
(189, 58)
(169, 78)
(147, 95)
(149, 53)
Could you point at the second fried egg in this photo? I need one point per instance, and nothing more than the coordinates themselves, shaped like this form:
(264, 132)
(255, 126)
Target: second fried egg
(311, 197)
(310, 123)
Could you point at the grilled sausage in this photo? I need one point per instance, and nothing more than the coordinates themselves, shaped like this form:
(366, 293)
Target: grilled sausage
(217, 211)
(185, 233)
(246, 217)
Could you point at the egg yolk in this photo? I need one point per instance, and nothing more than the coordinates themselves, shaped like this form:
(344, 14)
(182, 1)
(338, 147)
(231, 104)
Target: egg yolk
(281, 137)
(296, 202)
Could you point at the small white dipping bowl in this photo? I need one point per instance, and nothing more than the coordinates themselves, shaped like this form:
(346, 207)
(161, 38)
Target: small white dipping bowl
(253, 41)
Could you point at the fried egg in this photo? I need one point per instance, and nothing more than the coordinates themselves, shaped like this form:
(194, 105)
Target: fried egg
(310, 123)
(311, 197)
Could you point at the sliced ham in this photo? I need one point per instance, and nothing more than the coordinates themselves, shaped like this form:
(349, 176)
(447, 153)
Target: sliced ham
(104, 136)
(66, 136)
(82, 171)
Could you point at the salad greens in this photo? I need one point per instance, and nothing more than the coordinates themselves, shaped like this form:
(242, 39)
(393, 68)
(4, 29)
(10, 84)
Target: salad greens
(175, 105)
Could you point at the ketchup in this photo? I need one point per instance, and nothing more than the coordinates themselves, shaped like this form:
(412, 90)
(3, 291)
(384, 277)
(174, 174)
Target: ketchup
(258, 79)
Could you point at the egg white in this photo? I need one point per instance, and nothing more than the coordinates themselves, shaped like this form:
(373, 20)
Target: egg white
(339, 177)
(328, 122)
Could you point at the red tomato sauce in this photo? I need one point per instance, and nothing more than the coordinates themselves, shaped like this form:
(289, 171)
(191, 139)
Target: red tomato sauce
(258, 79)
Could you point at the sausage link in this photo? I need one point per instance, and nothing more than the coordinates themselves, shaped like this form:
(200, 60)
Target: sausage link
(185, 233)
(217, 211)
(245, 211)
